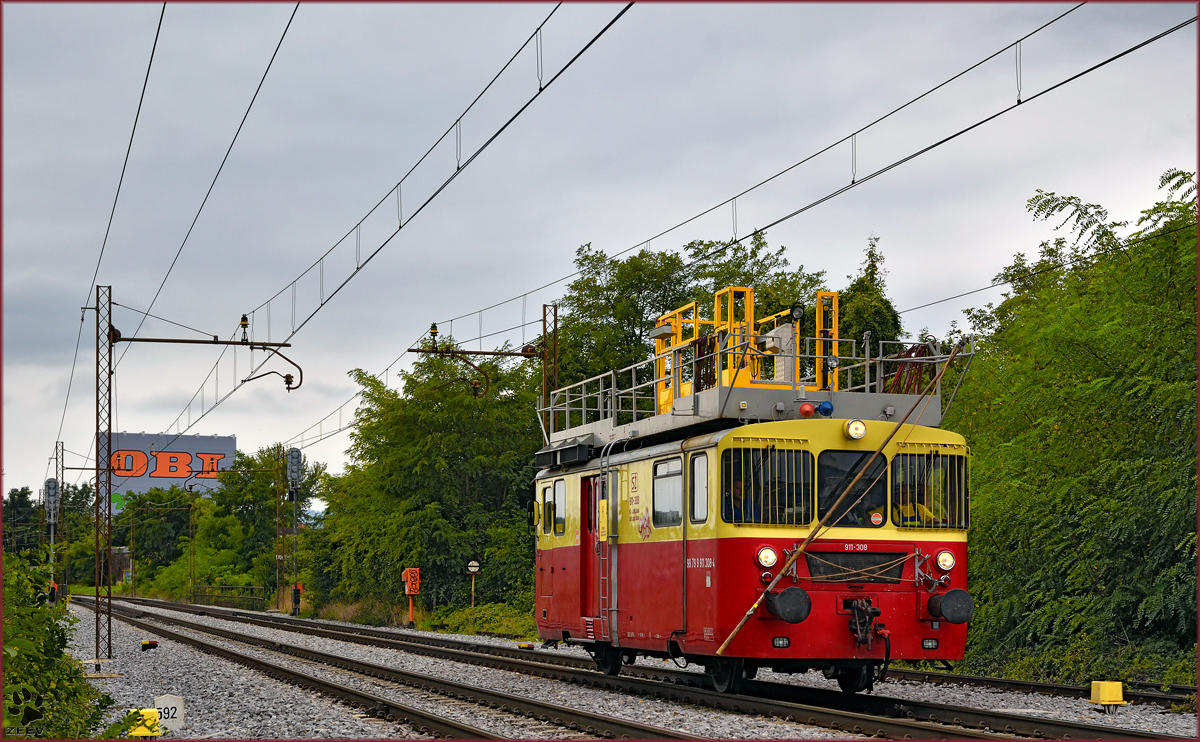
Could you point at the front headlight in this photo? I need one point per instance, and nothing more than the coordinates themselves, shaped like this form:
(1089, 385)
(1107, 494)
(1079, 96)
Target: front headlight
(855, 429)
(945, 560)
(767, 557)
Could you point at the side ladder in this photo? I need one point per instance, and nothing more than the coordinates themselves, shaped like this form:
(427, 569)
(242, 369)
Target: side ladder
(605, 547)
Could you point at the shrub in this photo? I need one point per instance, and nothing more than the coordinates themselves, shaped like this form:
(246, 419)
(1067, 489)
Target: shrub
(45, 692)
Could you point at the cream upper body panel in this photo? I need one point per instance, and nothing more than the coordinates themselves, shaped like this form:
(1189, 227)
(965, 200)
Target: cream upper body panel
(658, 484)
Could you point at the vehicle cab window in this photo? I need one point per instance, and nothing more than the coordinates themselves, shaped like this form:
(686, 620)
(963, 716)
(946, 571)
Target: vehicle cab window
(767, 485)
(866, 504)
(930, 490)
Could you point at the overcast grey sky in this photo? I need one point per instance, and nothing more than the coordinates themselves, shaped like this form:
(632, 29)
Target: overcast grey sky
(675, 109)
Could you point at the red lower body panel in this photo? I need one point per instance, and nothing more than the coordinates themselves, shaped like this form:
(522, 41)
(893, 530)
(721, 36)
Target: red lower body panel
(695, 594)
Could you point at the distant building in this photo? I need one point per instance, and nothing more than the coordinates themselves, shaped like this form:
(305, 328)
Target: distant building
(122, 567)
(145, 461)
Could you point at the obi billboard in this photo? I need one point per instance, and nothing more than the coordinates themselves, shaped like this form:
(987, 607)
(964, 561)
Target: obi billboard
(143, 461)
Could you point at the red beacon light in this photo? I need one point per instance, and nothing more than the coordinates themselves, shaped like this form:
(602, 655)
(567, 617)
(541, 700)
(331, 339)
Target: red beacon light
(807, 410)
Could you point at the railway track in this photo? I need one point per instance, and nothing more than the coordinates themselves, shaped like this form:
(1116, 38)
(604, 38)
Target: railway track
(833, 719)
(866, 714)
(531, 715)
(373, 705)
(1138, 693)
(1135, 692)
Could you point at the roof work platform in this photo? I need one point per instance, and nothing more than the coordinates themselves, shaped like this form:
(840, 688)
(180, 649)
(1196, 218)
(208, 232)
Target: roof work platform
(708, 374)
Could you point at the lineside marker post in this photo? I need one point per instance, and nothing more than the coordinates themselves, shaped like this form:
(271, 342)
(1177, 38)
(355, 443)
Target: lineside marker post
(412, 586)
(822, 524)
(473, 569)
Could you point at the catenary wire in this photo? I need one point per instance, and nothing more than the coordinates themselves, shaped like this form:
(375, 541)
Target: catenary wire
(163, 319)
(787, 169)
(977, 124)
(214, 180)
(108, 228)
(202, 203)
(839, 191)
(387, 196)
(463, 166)
(732, 198)
(1055, 266)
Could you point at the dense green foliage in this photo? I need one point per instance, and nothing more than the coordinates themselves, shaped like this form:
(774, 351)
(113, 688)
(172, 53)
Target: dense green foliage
(234, 527)
(1080, 407)
(1081, 412)
(442, 474)
(45, 692)
(612, 306)
(21, 520)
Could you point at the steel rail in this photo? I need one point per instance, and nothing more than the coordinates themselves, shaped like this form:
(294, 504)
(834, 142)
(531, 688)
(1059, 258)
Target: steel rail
(392, 710)
(634, 683)
(1173, 689)
(565, 716)
(1138, 693)
(778, 692)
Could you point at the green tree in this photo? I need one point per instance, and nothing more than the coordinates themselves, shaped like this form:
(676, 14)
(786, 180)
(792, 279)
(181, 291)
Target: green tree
(245, 509)
(613, 305)
(440, 474)
(717, 265)
(21, 520)
(1081, 413)
(45, 692)
(156, 522)
(863, 306)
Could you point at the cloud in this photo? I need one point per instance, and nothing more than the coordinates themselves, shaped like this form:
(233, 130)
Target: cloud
(675, 109)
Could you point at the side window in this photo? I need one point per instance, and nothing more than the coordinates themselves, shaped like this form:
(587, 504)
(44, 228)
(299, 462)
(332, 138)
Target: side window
(767, 485)
(668, 493)
(560, 506)
(699, 488)
(547, 509)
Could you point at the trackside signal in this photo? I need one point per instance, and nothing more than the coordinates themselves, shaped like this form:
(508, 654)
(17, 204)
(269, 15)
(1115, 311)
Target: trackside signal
(295, 466)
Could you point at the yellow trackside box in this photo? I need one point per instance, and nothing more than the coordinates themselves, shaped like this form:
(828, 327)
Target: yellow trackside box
(148, 726)
(1107, 693)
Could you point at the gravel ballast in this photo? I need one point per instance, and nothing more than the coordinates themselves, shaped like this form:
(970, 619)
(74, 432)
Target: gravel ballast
(694, 720)
(1142, 717)
(707, 722)
(221, 699)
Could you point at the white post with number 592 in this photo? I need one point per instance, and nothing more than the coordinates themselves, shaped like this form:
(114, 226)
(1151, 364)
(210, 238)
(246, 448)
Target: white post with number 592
(170, 712)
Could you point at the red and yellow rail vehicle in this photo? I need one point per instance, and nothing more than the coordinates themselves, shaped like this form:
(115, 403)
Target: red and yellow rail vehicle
(672, 492)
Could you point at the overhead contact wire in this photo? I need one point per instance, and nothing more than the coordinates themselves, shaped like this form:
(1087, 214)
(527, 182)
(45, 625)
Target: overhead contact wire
(795, 165)
(442, 187)
(215, 177)
(880, 172)
(112, 212)
(417, 164)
